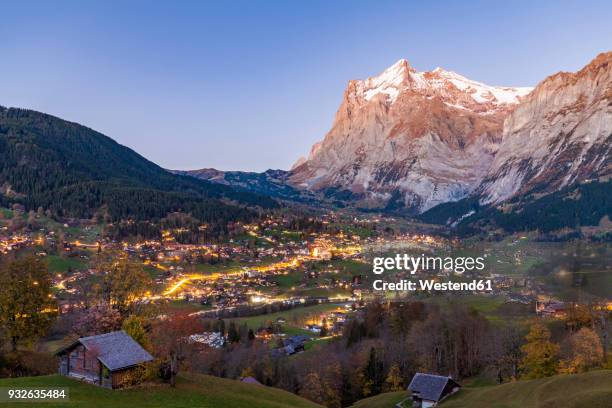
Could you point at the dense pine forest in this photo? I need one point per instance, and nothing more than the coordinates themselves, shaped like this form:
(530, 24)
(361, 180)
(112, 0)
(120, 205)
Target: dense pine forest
(73, 171)
(580, 205)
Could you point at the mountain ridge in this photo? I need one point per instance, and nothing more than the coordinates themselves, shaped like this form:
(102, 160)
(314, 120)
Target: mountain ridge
(74, 171)
(271, 182)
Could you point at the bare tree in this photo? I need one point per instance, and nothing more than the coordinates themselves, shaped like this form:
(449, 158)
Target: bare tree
(170, 340)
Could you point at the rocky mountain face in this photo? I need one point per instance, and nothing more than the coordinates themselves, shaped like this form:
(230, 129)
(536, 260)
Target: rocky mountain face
(560, 135)
(413, 140)
(408, 139)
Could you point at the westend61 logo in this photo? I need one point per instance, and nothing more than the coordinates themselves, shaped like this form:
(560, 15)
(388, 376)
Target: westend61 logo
(411, 264)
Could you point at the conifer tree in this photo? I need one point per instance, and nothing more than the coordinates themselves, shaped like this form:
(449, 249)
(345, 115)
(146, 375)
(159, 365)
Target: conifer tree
(394, 381)
(540, 354)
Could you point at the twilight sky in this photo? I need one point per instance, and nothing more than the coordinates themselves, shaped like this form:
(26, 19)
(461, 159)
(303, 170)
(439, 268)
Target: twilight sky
(251, 85)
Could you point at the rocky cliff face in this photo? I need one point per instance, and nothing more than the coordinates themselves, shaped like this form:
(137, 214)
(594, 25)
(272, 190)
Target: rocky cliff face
(409, 139)
(561, 134)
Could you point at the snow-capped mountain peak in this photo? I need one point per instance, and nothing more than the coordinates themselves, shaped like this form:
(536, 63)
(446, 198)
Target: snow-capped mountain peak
(450, 86)
(390, 82)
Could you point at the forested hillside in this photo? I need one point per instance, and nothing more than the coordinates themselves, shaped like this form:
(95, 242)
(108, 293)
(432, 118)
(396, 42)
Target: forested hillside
(74, 171)
(580, 205)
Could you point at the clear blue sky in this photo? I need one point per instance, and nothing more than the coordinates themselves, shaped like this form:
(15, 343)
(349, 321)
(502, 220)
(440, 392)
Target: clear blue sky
(250, 85)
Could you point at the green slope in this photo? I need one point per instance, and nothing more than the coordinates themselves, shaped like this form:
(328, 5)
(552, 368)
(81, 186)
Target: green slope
(385, 400)
(592, 390)
(194, 391)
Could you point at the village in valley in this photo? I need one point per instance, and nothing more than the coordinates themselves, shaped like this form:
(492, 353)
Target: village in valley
(292, 288)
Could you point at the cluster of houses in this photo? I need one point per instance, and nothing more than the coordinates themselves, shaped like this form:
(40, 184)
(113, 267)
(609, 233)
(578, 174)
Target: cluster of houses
(211, 339)
(291, 345)
(554, 309)
(14, 242)
(332, 323)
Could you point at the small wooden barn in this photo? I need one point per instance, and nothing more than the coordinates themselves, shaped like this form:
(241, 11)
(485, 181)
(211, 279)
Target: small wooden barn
(428, 389)
(108, 360)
